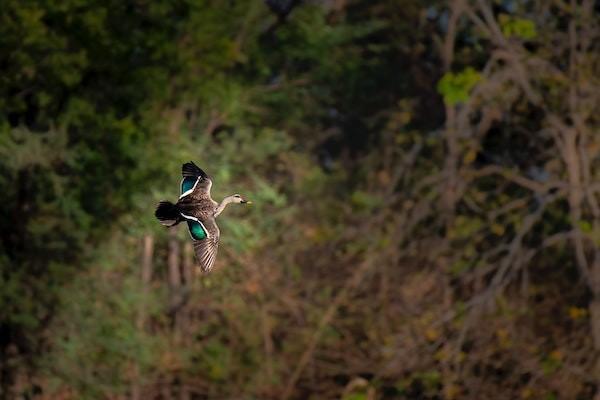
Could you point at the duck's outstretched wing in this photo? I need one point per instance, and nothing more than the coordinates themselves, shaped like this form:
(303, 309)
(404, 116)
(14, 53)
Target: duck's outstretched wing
(206, 249)
(191, 169)
(194, 180)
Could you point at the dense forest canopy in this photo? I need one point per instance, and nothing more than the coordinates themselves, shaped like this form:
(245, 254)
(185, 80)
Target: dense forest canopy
(424, 174)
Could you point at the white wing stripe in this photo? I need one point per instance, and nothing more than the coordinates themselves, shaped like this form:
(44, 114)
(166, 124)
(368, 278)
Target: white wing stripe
(198, 221)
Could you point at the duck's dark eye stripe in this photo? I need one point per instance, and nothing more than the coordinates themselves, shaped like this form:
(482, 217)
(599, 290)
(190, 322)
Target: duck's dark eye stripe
(196, 230)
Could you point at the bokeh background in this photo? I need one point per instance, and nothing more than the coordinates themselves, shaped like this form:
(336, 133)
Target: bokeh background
(426, 216)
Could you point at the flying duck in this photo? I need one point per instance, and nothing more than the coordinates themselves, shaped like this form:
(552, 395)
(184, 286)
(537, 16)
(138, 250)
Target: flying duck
(199, 210)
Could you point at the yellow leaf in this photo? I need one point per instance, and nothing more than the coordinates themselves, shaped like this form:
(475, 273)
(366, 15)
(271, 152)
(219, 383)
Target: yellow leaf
(526, 393)
(470, 156)
(404, 117)
(556, 355)
(577, 313)
(441, 355)
(432, 334)
(452, 391)
(497, 229)
(503, 337)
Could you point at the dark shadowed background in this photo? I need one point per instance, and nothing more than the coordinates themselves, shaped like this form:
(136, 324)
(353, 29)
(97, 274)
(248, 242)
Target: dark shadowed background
(426, 218)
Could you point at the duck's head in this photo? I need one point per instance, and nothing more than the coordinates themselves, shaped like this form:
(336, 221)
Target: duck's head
(236, 198)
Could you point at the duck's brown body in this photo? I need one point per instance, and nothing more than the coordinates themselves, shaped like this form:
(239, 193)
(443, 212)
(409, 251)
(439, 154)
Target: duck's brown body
(198, 204)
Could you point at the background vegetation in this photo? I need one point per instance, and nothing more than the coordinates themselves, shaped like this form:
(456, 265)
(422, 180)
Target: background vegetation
(425, 179)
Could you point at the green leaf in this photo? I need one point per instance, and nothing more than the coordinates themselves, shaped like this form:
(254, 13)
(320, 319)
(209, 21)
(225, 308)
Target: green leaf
(355, 396)
(585, 226)
(517, 27)
(456, 87)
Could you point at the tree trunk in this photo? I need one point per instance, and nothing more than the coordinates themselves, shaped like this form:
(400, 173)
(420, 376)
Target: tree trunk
(146, 277)
(594, 310)
(147, 269)
(184, 317)
(174, 273)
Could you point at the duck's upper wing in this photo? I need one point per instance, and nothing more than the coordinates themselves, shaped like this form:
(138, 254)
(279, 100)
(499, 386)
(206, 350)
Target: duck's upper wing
(194, 181)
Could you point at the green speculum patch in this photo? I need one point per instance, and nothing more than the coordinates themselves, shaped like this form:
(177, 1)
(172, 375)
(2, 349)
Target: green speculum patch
(196, 230)
(188, 183)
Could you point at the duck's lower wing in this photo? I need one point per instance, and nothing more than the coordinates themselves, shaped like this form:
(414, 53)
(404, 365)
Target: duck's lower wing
(206, 249)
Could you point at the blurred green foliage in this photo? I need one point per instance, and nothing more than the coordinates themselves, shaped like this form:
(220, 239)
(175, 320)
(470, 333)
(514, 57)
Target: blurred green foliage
(455, 87)
(519, 27)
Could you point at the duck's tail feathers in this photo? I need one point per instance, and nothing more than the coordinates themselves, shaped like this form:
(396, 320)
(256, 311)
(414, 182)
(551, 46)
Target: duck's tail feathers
(191, 169)
(167, 213)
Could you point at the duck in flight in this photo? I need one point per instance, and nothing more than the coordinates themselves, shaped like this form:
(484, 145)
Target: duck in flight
(199, 211)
